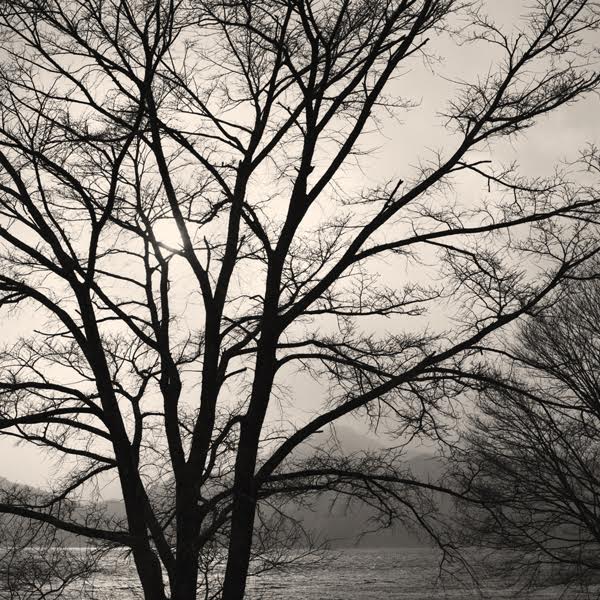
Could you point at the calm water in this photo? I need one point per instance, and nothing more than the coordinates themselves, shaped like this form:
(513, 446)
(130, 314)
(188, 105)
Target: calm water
(356, 574)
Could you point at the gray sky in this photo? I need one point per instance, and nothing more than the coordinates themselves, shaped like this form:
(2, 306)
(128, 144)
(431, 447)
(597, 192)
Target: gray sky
(555, 138)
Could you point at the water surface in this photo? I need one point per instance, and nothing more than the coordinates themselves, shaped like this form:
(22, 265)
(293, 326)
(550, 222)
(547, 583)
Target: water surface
(358, 574)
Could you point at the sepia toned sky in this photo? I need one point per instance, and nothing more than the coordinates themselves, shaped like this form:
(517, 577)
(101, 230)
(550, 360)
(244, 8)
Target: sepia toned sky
(394, 150)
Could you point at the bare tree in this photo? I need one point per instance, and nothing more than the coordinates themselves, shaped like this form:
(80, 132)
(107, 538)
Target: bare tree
(531, 457)
(37, 560)
(172, 206)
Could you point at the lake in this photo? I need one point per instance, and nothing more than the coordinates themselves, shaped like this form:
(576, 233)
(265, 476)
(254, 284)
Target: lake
(355, 574)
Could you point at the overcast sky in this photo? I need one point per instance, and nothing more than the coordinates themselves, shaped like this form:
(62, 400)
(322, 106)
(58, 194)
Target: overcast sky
(398, 147)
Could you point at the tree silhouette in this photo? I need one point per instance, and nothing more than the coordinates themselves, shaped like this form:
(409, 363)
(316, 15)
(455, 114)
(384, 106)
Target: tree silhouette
(531, 457)
(173, 207)
(36, 560)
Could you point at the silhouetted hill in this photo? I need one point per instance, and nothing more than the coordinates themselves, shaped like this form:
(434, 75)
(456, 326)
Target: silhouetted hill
(330, 520)
(345, 526)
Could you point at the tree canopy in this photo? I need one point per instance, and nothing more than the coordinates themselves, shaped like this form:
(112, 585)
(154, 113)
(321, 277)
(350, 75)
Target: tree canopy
(530, 457)
(180, 243)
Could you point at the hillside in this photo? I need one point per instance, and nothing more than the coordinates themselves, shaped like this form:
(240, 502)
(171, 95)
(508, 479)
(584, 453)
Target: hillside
(332, 521)
(346, 526)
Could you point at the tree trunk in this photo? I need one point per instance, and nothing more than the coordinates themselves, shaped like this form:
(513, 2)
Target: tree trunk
(242, 523)
(149, 572)
(186, 560)
(245, 491)
(186, 576)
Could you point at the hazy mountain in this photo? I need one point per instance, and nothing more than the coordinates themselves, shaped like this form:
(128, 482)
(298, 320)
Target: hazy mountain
(344, 526)
(331, 520)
